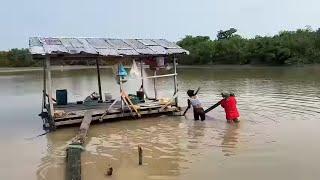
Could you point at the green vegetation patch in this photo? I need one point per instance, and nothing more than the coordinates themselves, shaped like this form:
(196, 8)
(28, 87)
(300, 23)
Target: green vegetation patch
(287, 47)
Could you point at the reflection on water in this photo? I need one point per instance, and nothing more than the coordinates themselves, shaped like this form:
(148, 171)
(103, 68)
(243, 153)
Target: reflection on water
(277, 133)
(230, 139)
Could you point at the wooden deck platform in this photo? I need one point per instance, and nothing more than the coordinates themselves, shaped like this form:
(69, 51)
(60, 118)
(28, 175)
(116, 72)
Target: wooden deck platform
(73, 113)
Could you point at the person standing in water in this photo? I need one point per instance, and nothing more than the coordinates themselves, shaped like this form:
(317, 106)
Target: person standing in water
(198, 111)
(229, 103)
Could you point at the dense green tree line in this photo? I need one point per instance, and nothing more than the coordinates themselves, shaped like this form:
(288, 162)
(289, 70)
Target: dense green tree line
(17, 58)
(288, 47)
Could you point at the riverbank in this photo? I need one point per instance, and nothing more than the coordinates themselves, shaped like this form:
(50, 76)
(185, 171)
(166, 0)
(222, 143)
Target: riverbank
(25, 69)
(79, 67)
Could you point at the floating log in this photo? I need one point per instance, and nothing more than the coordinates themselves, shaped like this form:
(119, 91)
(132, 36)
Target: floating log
(84, 127)
(76, 147)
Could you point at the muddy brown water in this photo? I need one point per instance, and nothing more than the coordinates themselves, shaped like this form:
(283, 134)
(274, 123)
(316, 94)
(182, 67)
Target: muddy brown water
(278, 137)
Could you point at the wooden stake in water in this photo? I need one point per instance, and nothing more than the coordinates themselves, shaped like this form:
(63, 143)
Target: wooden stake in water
(109, 171)
(140, 155)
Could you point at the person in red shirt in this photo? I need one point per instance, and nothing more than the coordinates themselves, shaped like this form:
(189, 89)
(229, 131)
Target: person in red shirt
(229, 103)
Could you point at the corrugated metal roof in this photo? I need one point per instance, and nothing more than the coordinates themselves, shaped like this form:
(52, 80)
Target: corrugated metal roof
(103, 46)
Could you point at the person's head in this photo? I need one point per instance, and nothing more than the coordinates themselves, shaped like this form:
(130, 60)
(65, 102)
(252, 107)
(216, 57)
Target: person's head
(232, 94)
(190, 93)
(225, 94)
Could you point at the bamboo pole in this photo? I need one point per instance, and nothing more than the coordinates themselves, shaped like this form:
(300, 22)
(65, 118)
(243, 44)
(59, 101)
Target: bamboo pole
(120, 84)
(99, 80)
(175, 79)
(141, 73)
(155, 85)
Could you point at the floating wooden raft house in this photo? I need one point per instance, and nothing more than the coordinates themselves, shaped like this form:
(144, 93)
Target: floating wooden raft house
(54, 50)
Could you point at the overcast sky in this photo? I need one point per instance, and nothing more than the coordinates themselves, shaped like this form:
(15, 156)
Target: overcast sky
(169, 19)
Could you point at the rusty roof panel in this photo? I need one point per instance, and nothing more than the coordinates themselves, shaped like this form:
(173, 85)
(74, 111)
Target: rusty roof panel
(158, 50)
(166, 44)
(99, 43)
(103, 46)
(177, 51)
(107, 52)
(139, 47)
(87, 48)
(147, 42)
(146, 51)
(74, 46)
(127, 52)
(135, 44)
(36, 46)
(34, 41)
(53, 46)
(118, 44)
(71, 42)
(51, 41)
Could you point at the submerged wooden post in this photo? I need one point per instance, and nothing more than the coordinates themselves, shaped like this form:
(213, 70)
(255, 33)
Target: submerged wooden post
(109, 171)
(175, 79)
(99, 80)
(73, 169)
(140, 154)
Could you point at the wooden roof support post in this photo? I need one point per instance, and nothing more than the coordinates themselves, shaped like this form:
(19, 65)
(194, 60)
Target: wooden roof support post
(142, 78)
(121, 89)
(141, 74)
(99, 80)
(155, 85)
(49, 85)
(175, 79)
(44, 90)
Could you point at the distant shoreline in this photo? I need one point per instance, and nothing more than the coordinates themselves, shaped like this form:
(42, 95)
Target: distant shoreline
(78, 67)
(22, 69)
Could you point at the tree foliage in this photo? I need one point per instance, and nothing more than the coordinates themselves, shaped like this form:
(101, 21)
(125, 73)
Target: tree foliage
(16, 58)
(287, 47)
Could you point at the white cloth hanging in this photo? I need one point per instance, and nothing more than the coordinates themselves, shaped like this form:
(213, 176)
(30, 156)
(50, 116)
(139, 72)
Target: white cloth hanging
(134, 71)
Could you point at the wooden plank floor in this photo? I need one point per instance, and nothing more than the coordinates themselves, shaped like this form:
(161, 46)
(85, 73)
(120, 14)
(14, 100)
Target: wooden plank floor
(71, 107)
(96, 117)
(75, 112)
